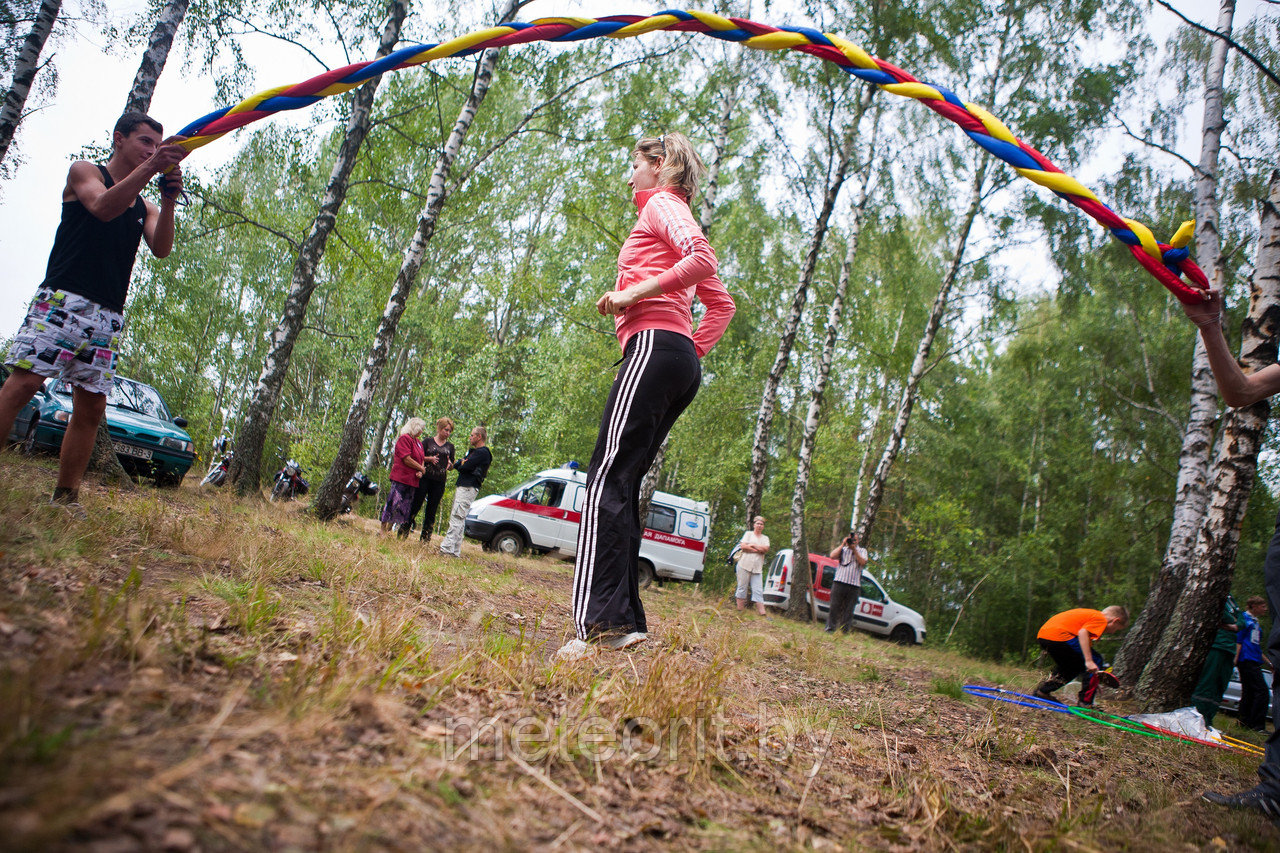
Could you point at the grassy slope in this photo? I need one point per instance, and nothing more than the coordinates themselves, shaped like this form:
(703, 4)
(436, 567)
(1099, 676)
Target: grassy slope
(186, 670)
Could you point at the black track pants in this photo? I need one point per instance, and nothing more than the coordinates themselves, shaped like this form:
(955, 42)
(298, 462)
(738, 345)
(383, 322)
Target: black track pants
(657, 381)
(1269, 772)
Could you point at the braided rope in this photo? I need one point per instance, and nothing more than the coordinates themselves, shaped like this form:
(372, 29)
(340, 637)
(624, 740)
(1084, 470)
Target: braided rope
(1167, 262)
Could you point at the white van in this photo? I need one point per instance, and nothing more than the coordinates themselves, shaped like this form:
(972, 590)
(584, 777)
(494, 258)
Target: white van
(875, 612)
(543, 513)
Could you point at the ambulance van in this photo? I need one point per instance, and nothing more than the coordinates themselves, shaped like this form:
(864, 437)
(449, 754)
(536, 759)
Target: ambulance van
(542, 515)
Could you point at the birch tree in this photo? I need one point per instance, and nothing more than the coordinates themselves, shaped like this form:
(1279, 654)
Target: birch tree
(25, 68)
(1191, 491)
(842, 158)
(329, 494)
(156, 55)
(797, 606)
(247, 468)
(920, 364)
(1168, 679)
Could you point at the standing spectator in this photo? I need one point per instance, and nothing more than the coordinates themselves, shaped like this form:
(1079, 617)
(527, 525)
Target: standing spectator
(664, 262)
(846, 589)
(1215, 675)
(73, 327)
(406, 467)
(471, 473)
(753, 547)
(1068, 637)
(439, 459)
(1254, 695)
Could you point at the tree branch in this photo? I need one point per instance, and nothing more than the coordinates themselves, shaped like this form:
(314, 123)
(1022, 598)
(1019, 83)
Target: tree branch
(1271, 75)
(1195, 169)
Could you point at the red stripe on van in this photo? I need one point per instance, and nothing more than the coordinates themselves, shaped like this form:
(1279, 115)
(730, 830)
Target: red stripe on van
(561, 514)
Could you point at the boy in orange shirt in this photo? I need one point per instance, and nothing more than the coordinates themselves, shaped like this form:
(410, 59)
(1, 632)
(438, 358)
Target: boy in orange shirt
(1068, 638)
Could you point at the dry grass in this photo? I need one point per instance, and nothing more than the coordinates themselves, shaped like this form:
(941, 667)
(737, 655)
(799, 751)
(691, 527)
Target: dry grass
(186, 671)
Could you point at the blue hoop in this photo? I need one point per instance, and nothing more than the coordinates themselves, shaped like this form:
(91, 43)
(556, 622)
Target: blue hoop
(1001, 695)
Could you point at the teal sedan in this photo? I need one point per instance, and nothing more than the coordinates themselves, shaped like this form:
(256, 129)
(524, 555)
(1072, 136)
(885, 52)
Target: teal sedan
(149, 442)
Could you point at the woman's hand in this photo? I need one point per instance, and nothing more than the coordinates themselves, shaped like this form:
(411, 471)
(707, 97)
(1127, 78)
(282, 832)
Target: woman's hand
(615, 302)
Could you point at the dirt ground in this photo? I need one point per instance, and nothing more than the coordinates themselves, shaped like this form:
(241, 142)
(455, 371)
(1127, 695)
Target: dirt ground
(185, 671)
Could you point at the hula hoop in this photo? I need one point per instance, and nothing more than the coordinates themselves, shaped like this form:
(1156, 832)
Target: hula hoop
(1242, 745)
(1001, 695)
(1093, 715)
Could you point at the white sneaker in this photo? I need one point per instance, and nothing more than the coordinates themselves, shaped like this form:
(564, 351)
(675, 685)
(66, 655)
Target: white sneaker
(575, 649)
(626, 641)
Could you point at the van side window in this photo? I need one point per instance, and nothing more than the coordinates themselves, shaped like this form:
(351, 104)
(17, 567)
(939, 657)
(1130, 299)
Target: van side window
(872, 591)
(828, 576)
(545, 493)
(579, 493)
(661, 519)
(693, 525)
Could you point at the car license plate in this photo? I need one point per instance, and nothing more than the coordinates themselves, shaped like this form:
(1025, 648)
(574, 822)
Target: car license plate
(130, 450)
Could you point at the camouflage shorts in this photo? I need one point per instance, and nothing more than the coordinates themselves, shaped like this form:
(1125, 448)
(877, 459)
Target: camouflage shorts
(66, 336)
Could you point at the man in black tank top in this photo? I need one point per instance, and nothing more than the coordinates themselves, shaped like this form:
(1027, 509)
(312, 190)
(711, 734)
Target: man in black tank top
(72, 329)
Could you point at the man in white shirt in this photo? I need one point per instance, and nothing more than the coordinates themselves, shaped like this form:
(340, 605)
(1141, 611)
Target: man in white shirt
(847, 587)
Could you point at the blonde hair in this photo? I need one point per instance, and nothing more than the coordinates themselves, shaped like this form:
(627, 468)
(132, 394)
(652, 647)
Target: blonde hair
(1117, 611)
(443, 422)
(413, 427)
(682, 168)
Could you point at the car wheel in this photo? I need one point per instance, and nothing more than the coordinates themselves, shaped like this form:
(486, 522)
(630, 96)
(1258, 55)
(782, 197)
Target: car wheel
(646, 574)
(29, 447)
(903, 635)
(169, 480)
(508, 542)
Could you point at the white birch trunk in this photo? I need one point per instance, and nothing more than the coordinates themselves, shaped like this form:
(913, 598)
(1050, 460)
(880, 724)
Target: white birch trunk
(769, 396)
(246, 470)
(1172, 673)
(330, 491)
(1191, 491)
(156, 55)
(882, 403)
(875, 490)
(800, 580)
(24, 72)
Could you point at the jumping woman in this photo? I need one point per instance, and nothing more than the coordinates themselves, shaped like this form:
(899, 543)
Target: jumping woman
(663, 264)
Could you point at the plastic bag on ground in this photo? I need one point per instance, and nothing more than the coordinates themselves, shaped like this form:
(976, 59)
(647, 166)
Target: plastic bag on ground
(1184, 721)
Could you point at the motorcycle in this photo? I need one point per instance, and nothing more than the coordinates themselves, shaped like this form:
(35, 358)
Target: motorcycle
(289, 483)
(219, 466)
(358, 485)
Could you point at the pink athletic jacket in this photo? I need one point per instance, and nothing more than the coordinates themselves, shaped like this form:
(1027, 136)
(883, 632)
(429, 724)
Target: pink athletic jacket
(666, 242)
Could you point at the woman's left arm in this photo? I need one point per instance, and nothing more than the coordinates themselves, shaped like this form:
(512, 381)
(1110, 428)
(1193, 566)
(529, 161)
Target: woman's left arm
(720, 310)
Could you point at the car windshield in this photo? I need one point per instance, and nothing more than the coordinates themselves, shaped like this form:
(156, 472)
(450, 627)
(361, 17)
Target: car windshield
(136, 397)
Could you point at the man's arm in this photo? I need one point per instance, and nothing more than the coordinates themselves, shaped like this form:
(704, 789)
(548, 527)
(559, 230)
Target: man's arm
(159, 227)
(1086, 648)
(1236, 387)
(84, 183)
(835, 552)
(860, 555)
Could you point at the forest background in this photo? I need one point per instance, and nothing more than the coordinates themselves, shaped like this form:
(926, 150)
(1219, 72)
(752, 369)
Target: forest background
(1038, 472)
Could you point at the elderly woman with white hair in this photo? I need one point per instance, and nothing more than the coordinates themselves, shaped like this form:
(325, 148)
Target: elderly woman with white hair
(408, 464)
